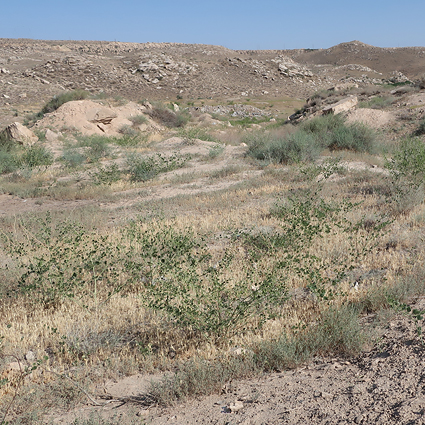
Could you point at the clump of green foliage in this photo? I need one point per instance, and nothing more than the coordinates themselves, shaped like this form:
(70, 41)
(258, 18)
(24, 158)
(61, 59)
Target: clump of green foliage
(142, 168)
(62, 98)
(310, 139)
(14, 157)
(138, 119)
(377, 102)
(55, 103)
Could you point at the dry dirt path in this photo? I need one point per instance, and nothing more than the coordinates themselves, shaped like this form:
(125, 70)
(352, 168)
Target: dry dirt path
(385, 385)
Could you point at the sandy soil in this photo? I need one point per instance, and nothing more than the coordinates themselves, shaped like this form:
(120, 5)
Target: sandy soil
(384, 385)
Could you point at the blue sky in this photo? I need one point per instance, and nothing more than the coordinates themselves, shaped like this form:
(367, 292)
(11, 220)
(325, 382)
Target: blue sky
(237, 24)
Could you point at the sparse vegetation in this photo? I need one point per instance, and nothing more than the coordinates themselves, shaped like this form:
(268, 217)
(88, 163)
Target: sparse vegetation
(255, 259)
(138, 120)
(377, 102)
(310, 139)
(143, 168)
(55, 103)
(167, 117)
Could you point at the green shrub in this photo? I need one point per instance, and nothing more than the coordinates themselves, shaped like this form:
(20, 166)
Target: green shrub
(8, 162)
(355, 137)
(312, 136)
(215, 151)
(193, 133)
(297, 147)
(107, 175)
(143, 168)
(97, 147)
(408, 162)
(322, 127)
(377, 102)
(36, 156)
(9, 156)
(62, 98)
(72, 157)
(138, 119)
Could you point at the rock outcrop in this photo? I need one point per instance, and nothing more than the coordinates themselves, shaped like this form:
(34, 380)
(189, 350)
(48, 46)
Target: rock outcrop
(18, 133)
(341, 106)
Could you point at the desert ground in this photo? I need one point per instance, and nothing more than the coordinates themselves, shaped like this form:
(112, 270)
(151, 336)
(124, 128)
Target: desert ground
(196, 235)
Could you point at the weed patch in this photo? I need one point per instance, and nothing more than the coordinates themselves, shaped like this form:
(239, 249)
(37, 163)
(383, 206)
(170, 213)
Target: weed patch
(167, 117)
(143, 168)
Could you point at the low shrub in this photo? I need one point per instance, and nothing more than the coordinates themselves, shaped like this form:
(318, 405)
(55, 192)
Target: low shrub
(138, 120)
(215, 151)
(127, 130)
(167, 117)
(377, 102)
(192, 133)
(355, 137)
(297, 147)
(73, 157)
(107, 175)
(311, 137)
(97, 147)
(62, 98)
(9, 158)
(36, 156)
(407, 164)
(143, 168)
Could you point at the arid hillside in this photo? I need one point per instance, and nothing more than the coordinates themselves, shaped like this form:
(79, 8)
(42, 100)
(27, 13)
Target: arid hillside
(32, 71)
(195, 235)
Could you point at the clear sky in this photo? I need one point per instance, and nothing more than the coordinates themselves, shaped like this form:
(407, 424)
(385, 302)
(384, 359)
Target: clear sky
(236, 24)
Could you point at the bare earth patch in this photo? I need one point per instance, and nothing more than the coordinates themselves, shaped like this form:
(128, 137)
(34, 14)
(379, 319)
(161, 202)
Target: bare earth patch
(382, 386)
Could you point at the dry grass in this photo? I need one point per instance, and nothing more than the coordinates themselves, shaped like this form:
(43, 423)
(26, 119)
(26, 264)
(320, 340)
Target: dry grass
(94, 336)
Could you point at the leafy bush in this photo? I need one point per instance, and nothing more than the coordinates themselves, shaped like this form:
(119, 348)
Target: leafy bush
(107, 175)
(9, 156)
(408, 162)
(355, 137)
(8, 162)
(72, 157)
(67, 261)
(304, 219)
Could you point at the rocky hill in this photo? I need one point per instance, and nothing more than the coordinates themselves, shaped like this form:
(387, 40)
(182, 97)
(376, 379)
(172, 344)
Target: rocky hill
(33, 70)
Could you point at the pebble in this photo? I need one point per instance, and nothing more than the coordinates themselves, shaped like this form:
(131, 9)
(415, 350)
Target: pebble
(236, 406)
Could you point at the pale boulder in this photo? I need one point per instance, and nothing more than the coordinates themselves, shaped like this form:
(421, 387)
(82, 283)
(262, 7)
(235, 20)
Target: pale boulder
(18, 133)
(341, 106)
